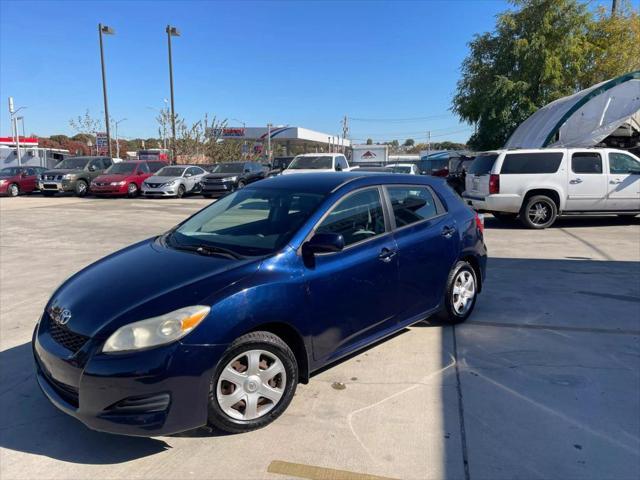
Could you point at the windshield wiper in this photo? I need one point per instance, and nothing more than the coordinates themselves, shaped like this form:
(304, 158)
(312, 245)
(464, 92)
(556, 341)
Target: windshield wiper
(209, 250)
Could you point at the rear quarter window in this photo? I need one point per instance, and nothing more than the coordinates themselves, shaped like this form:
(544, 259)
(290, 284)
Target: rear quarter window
(482, 165)
(547, 162)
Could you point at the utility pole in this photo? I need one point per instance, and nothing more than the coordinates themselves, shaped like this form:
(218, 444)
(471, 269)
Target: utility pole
(269, 141)
(14, 128)
(428, 142)
(103, 29)
(172, 32)
(614, 7)
(345, 130)
(117, 141)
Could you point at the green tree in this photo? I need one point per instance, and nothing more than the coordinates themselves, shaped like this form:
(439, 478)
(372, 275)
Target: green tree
(540, 51)
(369, 141)
(409, 142)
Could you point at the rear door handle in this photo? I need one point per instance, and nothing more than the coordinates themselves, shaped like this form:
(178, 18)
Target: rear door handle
(386, 254)
(448, 231)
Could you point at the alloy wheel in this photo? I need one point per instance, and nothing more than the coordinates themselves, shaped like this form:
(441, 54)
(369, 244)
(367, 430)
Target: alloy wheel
(14, 190)
(251, 385)
(463, 292)
(539, 213)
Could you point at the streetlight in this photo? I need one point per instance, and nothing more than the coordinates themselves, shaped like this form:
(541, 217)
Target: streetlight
(172, 32)
(117, 142)
(105, 30)
(14, 126)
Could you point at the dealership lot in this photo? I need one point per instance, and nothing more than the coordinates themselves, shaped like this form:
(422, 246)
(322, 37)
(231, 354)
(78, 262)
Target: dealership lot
(542, 382)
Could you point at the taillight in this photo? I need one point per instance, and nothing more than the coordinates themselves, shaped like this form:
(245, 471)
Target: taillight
(480, 222)
(494, 183)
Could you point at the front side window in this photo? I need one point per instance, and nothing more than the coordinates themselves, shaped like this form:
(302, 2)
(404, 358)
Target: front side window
(412, 204)
(251, 221)
(620, 163)
(342, 162)
(357, 217)
(73, 163)
(228, 168)
(143, 168)
(125, 168)
(547, 162)
(586, 162)
(320, 162)
(155, 166)
(97, 164)
(170, 172)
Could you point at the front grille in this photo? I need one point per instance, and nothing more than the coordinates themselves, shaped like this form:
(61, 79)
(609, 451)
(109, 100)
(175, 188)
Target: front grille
(142, 404)
(102, 184)
(68, 339)
(52, 177)
(69, 393)
(155, 185)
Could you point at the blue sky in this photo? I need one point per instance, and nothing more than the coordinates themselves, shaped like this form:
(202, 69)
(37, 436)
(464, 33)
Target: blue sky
(296, 63)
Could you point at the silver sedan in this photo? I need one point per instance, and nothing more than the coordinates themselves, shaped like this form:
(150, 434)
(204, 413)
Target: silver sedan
(174, 181)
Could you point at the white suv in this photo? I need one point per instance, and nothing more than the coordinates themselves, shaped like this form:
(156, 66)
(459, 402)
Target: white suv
(538, 185)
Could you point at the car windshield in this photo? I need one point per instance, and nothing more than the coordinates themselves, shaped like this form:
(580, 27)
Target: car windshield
(228, 168)
(74, 163)
(482, 165)
(251, 221)
(399, 169)
(9, 172)
(311, 163)
(170, 172)
(121, 168)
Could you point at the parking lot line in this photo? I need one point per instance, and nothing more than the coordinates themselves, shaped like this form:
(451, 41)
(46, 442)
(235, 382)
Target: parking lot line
(555, 327)
(311, 472)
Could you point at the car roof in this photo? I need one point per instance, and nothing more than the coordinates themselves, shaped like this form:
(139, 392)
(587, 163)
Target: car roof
(328, 182)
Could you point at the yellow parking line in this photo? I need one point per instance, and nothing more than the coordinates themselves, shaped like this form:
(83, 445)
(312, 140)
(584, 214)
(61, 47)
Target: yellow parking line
(301, 470)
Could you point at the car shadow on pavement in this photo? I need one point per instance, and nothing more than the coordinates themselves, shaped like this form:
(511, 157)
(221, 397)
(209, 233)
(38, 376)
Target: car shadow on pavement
(29, 423)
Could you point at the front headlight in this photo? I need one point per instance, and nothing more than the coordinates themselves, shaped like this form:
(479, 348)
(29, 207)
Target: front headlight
(156, 331)
(115, 184)
(67, 176)
(168, 184)
(230, 179)
(3, 181)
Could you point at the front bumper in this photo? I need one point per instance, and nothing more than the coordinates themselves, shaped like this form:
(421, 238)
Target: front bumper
(109, 189)
(158, 391)
(217, 189)
(171, 191)
(56, 186)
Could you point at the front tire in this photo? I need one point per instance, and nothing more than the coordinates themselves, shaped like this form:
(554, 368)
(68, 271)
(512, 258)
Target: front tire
(132, 190)
(81, 188)
(253, 383)
(181, 191)
(13, 190)
(460, 295)
(539, 212)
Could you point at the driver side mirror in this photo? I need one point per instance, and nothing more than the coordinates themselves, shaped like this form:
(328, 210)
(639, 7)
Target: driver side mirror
(338, 168)
(323, 243)
(246, 170)
(92, 168)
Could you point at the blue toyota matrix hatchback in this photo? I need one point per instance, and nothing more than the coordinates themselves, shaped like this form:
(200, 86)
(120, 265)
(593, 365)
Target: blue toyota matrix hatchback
(216, 321)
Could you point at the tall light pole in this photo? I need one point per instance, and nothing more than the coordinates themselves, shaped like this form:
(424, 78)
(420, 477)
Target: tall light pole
(14, 127)
(105, 30)
(117, 142)
(172, 32)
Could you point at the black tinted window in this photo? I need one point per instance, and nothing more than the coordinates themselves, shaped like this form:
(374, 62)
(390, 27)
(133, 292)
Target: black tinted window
(155, 166)
(586, 162)
(531, 162)
(482, 165)
(412, 204)
(357, 217)
(143, 168)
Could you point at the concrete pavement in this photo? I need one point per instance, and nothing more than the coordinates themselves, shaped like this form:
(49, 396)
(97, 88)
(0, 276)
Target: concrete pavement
(542, 382)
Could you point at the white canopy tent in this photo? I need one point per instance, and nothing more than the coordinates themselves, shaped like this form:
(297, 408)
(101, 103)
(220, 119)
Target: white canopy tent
(584, 119)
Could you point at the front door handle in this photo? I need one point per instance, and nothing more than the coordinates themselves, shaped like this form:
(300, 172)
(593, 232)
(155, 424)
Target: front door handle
(575, 180)
(448, 231)
(386, 254)
(615, 182)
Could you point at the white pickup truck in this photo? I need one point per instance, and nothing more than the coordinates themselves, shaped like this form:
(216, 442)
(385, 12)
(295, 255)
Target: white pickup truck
(318, 162)
(538, 185)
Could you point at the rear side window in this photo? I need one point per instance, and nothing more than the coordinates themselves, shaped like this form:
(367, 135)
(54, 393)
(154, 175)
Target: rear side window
(482, 165)
(357, 217)
(586, 162)
(531, 162)
(412, 204)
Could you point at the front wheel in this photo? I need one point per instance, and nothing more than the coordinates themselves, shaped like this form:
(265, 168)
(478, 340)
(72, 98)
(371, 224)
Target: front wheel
(181, 191)
(81, 188)
(13, 190)
(132, 190)
(460, 295)
(539, 212)
(253, 383)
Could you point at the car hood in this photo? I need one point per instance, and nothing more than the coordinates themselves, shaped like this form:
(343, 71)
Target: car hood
(62, 171)
(222, 175)
(156, 179)
(306, 170)
(112, 177)
(144, 280)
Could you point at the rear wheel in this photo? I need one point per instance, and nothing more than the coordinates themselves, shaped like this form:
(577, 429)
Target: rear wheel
(13, 190)
(253, 383)
(539, 212)
(81, 188)
(460, 295)
(132, 190)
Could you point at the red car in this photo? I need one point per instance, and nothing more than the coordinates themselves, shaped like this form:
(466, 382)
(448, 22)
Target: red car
(17, 180)
(125, 178)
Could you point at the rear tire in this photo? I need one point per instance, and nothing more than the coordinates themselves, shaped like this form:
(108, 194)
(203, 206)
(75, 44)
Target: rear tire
(539, 212)
(239, 377)
(460, 295)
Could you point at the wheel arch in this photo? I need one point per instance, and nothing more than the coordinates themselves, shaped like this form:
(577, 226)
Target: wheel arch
(294, 340)
(552, 193)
